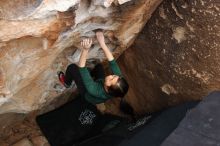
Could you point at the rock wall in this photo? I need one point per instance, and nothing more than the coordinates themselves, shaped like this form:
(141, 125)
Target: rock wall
(174, 59)
(39, 38)
(176, 56)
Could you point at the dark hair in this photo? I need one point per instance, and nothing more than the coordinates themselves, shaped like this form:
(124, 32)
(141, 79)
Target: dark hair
(119, 89)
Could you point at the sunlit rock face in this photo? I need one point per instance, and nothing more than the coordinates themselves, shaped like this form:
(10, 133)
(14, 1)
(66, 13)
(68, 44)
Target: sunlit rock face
(40, 37)
(176, 57)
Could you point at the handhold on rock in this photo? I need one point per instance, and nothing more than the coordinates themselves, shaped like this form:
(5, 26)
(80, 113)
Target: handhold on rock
(107, 3)
(97, 30)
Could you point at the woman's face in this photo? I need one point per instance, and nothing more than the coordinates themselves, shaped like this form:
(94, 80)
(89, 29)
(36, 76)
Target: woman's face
(111, 80)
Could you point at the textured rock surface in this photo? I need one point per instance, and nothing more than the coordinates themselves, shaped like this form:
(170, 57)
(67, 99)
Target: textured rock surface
(38, 38)
(40, 141)
(176, 56)
(23, 142)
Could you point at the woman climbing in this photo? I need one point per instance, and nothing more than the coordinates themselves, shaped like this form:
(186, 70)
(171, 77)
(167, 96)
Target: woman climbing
(95, 86)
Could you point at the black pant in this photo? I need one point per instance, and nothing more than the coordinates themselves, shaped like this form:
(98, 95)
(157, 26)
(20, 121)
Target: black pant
(73, 74)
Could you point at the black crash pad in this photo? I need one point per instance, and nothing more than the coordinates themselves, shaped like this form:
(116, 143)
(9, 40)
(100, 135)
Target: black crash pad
(74, 122)
(63, 126)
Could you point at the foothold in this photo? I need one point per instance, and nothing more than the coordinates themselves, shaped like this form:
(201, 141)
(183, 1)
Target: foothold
(179, 34)
(168, 89)
(59, 88)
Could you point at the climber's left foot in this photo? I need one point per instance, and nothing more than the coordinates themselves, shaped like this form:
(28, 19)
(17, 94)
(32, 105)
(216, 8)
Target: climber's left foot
(61, 77)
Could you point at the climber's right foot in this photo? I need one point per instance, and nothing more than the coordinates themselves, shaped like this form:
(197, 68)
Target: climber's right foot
(61, 77)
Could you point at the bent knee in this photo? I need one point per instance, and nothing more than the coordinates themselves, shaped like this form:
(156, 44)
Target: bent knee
(72, 67)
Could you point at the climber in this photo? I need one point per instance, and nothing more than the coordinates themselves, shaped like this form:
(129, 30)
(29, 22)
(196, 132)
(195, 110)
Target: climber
(101, 88)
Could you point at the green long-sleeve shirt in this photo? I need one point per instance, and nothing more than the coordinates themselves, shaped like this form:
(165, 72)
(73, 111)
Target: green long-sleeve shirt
(95, 89)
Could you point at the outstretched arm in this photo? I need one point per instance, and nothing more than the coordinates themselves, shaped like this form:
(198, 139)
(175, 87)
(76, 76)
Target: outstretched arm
(91, 86)
(112, 63)
(86, 44)
(101, 40)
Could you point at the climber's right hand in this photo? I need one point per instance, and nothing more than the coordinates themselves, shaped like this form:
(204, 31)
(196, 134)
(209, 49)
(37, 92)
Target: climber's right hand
(86, 44)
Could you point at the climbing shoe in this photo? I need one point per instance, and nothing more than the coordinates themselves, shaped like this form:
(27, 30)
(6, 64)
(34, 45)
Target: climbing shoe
(61, 77)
